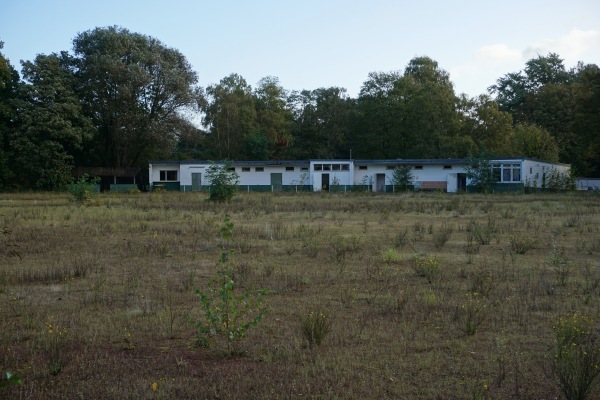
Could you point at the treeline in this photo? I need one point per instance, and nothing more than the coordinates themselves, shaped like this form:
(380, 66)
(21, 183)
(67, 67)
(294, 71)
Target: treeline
(119, 99)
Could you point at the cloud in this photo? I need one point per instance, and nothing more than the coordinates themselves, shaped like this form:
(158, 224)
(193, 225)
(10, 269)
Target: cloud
(571, 47)
(498, 53)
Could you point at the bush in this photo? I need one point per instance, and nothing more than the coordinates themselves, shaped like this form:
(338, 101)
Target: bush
(223, 182)
(83, 188)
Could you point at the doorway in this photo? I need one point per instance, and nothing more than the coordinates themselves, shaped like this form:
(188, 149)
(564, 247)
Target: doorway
(276, 181)
(325, 182)
(196, 181)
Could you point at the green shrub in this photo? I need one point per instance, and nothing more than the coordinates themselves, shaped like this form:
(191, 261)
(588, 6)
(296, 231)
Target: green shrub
(223, 182)
(228, 311)
(83, 188)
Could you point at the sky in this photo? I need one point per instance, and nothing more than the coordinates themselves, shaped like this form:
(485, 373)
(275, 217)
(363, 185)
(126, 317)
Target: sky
(311, 44)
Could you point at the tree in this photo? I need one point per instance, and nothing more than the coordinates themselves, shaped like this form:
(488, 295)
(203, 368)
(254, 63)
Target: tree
(223, 182)
(488, 127)
(51, 127)
(229, 115)
(480, 173)
(513, 89)
(274, 118)
(323, 123)
(9, 80)
(134, 89)
(534, 142)
(412, 115)
(586, 122)
(402, 177)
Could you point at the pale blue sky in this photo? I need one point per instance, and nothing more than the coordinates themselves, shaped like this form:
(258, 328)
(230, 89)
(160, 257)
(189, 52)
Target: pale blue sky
(320, 43)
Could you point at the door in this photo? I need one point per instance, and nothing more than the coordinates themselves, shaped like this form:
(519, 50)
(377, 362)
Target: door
(461, 181)
(380, 183)
(325, 182)
(276, 181)
(196, 181)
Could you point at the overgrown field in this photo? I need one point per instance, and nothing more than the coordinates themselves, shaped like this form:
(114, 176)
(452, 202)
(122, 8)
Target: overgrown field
(412, 296)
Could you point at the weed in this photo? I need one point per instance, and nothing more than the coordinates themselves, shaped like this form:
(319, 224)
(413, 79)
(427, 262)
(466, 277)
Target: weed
(575, 359)
(559, 263)
(51, 344)
(521, 243)
(442, 235)
(473, 312)
(426, 267)
(314, 326)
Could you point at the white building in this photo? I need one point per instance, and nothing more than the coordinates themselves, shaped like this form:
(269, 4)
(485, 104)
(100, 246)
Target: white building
(448, 175)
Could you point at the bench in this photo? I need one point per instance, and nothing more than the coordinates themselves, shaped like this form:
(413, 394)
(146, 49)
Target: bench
(434, 185)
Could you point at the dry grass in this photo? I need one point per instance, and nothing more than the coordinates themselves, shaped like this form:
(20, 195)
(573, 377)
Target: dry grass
(116, 281)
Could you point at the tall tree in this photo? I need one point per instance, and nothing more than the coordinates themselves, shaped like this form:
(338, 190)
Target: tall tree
(513, 89)
(534, 142)
(323, 123)
(274, 118)
(586, 123)
(431, 114)
(9, 80)
(488, 127)
(133, 88)
(51, 127)
(411, 115)
(230, 116)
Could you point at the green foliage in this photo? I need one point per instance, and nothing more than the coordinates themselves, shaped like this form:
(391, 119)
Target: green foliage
(534, 142)
(402, 177)
(51, 126)
(575, 359)
(556, 180)
(479, 171)
(229, 312)
(11, 379)
(315, 326)
(83, 189)
(134, 89)
(223, 182)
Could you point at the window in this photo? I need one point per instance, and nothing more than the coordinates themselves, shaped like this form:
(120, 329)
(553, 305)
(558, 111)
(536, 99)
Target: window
(304, 169)
(259, 169)
(231, 169)
(245, 169)
(362, 167)
(506, 173)
(318, 167)
(335, 167)
(168, 175)
(326, 167)
(447, 166)
(418, 167)
(516, 173)
(289, 168)
(345, 167)
(496, 173)
(390, 167)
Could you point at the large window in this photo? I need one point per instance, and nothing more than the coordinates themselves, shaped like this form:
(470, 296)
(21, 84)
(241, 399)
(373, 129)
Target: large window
(506, 173)
(168, 176)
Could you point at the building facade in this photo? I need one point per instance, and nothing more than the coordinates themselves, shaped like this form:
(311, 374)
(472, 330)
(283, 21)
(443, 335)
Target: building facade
(449, 175)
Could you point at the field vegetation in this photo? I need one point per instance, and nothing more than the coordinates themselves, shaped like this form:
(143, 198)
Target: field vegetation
(406, 296)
